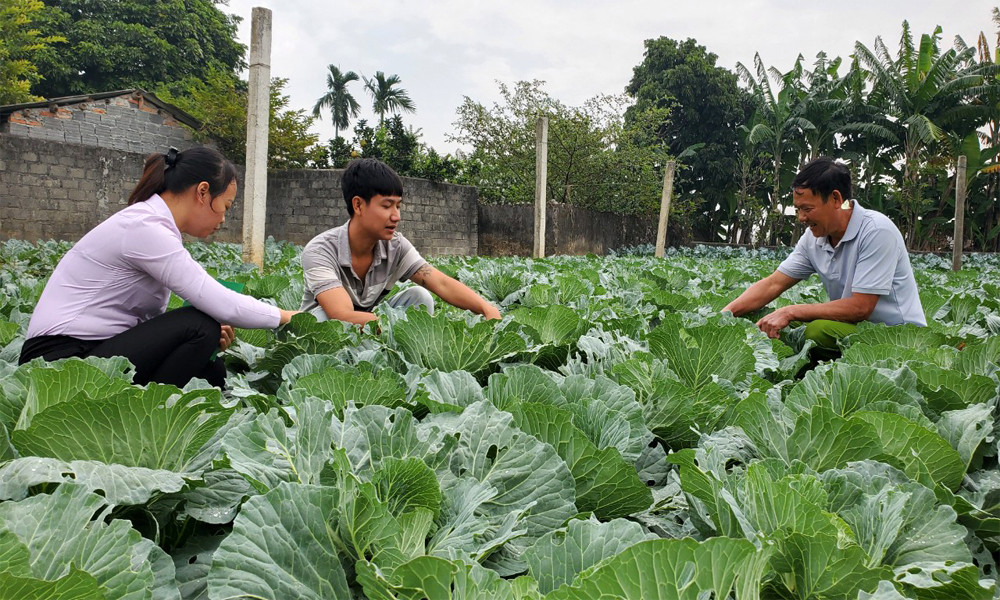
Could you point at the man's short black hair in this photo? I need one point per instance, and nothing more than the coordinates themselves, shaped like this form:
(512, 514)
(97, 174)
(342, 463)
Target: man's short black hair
(823, 175)
(368, 177)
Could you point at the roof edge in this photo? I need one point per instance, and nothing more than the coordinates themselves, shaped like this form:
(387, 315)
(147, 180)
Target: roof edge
(178, 113)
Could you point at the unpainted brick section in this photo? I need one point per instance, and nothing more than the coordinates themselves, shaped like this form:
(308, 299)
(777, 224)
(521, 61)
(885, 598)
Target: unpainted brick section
(120, 123)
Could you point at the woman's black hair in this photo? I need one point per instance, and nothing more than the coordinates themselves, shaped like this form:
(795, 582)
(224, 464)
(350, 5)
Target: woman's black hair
(177, 171)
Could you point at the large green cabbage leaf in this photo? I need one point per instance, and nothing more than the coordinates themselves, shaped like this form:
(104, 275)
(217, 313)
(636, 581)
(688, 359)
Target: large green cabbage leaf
(440, 343)
(560, 555)
(284, 544)
(527, 476)
(268, 451)
(60, 532)
(668, 570)
(606, 484)
(698, 355)
(120, 485)
(156, 428)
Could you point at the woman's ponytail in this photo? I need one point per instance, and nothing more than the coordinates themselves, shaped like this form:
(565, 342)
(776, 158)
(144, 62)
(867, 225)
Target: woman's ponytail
(151, 181)
(177, 171)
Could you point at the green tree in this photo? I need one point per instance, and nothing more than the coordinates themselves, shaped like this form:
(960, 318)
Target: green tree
(706, 107)
(20, 43)
(386, 96)
(989, 176)
(340, 152)
(338, 99)
(428, 164)
(118, 44)
(290, 145)
(749, 209)
(592, 158)
(825, 106)
(864, 137)
(400, 147)
(220, 103)
(391, 142)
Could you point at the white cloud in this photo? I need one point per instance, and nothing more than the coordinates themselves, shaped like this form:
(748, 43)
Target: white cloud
(448, 49)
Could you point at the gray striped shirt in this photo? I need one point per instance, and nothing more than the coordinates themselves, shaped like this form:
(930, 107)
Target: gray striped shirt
(326, 264)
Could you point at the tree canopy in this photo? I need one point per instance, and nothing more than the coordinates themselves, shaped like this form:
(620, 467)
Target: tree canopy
(118, 44)
(899, 118)
(706, 107)
(593, 160)
(220, 103)
(20, 44)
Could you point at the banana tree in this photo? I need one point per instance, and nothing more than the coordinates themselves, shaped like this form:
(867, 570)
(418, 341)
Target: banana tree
(989, 137)
(924, 93)
(866, 138)
(826, 105)
(778, 123)
(980, 176)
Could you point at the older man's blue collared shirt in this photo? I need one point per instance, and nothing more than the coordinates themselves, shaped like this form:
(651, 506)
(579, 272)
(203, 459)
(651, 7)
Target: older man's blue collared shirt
(870, 259)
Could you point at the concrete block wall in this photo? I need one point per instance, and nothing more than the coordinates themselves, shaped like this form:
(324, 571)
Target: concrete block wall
(508, 230)
(126, 123)
(56, 190)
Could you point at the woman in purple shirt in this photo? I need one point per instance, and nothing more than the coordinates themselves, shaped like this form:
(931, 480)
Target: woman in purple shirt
(108, 295)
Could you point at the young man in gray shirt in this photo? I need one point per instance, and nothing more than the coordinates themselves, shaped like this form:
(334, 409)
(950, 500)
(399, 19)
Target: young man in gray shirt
(858, 254)
(351, 268)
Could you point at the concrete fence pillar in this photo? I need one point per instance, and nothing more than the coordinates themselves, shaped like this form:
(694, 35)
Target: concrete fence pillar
(258, 114)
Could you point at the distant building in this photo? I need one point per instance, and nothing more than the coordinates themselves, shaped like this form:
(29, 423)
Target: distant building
(131, 120)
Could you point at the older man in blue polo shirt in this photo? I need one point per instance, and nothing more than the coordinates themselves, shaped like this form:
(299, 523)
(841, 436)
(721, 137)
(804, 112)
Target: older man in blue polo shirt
(858, 254)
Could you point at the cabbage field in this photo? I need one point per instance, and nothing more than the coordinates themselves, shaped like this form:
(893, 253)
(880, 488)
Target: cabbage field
(613, 437)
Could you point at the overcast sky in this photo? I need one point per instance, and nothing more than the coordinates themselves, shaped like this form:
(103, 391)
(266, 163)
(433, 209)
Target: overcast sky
(446, 49)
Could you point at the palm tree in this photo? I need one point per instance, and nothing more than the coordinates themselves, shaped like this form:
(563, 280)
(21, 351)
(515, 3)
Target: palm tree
(386, 97)
(341, 103)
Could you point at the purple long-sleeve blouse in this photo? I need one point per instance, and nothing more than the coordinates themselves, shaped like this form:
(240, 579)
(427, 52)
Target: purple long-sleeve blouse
(121, 273)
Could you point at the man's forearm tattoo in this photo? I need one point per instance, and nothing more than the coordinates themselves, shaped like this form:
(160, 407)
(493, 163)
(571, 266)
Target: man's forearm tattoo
(421, 275)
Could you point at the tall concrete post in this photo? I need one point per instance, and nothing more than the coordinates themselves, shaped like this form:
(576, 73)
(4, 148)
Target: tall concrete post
(258, 114)
(668, 192)
(541, 172)
(959, 235)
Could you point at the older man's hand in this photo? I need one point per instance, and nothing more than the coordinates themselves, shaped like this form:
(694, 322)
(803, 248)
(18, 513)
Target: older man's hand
(773, 323)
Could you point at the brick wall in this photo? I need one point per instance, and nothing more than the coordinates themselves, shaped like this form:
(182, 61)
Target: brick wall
(127, 123)
(438, 218)
(53, 190)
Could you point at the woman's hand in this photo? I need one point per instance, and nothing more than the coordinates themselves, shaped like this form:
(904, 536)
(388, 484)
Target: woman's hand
(286, 315)
(227, 337)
